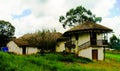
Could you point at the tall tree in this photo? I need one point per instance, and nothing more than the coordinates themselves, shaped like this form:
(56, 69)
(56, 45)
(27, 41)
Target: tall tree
(114, 43)
(78, 16)
(6, 32)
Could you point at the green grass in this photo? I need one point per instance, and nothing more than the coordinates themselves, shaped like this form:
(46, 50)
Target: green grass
(113, 56)
(46, 62)
(111, 63)
(57, 62)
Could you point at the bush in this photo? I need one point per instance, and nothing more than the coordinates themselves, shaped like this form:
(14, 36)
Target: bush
(67, 58)
(53, 57)
(83, 60)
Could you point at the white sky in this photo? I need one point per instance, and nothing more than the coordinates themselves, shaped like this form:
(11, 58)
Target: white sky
(28, 16)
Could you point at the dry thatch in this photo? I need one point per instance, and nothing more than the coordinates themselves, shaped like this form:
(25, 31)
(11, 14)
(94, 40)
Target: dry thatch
(87, 27)
(62, 38)
(30, 40)
(23, 41)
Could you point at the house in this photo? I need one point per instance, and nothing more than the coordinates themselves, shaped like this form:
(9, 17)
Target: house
(89, 39)
(21, 46)
(28, 42)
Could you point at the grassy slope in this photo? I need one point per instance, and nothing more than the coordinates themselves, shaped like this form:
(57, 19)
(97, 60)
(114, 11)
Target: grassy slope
(111, 63)
(57, 62)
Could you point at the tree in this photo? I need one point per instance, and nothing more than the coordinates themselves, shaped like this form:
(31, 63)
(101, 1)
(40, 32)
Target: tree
(78, 16)
(114, 43)
(6, 32)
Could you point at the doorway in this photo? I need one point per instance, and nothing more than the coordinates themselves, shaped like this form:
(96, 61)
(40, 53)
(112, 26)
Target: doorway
(93, 38)
(24, 50)
(95, 54)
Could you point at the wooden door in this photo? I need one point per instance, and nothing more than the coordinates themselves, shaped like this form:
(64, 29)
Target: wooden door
(95, 54)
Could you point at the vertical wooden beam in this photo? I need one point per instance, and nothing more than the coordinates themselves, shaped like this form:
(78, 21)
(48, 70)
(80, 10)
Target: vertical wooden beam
(104, 53)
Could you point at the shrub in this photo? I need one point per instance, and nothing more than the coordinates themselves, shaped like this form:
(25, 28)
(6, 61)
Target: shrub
(83, 60)
(67, 58)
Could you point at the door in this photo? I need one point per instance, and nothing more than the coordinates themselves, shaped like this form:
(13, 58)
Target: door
(93, 38)
(95, 54)
(24, 50)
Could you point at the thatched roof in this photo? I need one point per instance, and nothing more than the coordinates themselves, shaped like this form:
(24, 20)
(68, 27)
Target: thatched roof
(25, 40)
(87, 27)
(62, 38)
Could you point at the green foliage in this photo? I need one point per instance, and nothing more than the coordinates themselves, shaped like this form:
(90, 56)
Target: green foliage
(6, 32)
(66, 58)
(83, 60)
(78, 16)
(53, 62)
(48, 62)
(114, 43)
(113, 56)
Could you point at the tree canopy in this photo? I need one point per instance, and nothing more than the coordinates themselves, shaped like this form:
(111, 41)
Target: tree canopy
(114, 42)
(6, 32)
(78, 16)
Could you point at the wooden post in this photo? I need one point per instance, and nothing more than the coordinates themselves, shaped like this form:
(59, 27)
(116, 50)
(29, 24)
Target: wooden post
(104, 53)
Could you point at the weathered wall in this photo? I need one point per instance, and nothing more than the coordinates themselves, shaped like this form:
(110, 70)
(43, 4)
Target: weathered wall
(12, 47)
(60, 47)
(99, 36)
(86, 53)
(83, 38)
(100, 52)
(31, 50)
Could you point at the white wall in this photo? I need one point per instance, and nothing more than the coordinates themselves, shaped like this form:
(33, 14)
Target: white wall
(60, 47)
(86, 37)
(86, 53)
(83, 38)
(12, 47)
(31, 50)
(100, 53)
(99, 36)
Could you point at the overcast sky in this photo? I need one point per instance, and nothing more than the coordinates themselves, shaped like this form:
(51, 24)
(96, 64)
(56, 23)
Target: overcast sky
(28, 16)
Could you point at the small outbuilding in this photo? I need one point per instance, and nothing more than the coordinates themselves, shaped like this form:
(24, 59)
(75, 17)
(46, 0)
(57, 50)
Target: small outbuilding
(21, 46)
